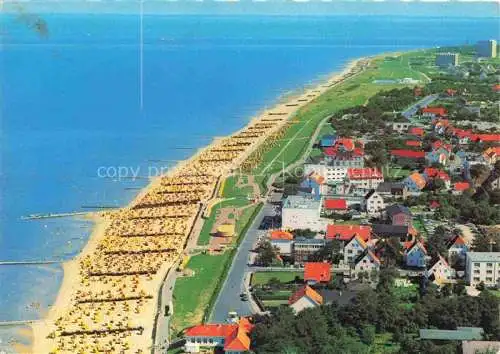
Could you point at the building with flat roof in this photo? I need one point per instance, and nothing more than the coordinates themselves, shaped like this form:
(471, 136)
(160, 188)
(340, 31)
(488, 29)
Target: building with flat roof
(461, 333)
(487, 49)
(483, 267)
(445, 60)
(300, 212)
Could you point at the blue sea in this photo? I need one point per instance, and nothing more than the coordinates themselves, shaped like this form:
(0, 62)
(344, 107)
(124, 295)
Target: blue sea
(76, 107)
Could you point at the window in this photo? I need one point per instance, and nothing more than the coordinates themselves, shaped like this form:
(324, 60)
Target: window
(476, 278)
(489, 272)
(489, 279)
(476, 264)
(476, 271)
(489, 264)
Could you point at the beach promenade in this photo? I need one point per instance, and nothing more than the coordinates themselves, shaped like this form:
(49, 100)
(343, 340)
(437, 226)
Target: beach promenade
(109, 296)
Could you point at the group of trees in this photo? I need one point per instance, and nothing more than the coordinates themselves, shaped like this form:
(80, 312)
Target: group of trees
(352, 328)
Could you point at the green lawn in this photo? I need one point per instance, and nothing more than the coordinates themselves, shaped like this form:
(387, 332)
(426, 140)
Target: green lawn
(383, 344)
(274, 303)
(192, 294)
(261, 278)
(204, 237)
(396, 172)
(419, 225)
(231, 191)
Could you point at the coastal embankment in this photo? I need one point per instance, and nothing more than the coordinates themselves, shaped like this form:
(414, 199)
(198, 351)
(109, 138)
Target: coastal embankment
(107, 301)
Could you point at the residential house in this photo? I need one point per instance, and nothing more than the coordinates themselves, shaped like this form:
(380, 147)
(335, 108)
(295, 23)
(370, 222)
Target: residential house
(282, 240)
(314, 184)
(460, 187)
(492, 182)
(461, 136)
(403, 156)
(367, 262)
(404, 233)
(317, 272)
(441, 125)
(414, 182)
(335, 206)
(346, 232)
(491, 155)
(300, 212)
(392, 189)
(304, 247)
(413, 143)
(398, 214)
(433, 112)
(364, 178)
(305, 297)
(431, 174)
(373, 203)
(437, 156)
(344, 154)
(416, 131)
(457, 248)
(230, 338)
(486, 138)
(440, 273)
(353, 248)
(483, 267)
(416, 255)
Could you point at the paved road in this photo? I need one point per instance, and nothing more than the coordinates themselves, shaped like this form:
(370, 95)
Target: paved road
(229, 296)
(412, 110)
(162, 329)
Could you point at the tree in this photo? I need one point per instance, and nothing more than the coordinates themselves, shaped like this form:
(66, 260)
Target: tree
(368, 334)
(436, 242)
(266, 254)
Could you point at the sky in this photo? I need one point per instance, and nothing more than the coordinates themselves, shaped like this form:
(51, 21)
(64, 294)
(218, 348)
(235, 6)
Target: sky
(455, 8)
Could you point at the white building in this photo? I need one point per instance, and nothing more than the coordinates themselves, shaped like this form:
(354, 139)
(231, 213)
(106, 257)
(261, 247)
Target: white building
(441, 273)
(365, 178)
(305, 297)
(283, 241)
(301, 212)
(353, 249)
(366, 262)
(373, 203)
(332, 174)
(483, 267)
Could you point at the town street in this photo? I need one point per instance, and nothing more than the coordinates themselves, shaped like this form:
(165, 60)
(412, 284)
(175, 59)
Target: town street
(413, 109)
(229, 299)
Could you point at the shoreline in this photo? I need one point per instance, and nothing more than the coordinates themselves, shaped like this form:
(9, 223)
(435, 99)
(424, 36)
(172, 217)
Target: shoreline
(103, 221)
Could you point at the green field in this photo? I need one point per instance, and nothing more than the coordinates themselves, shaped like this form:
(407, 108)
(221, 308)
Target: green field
(419, 225)
(274, 303)
(396, 172)
(192, 294)
(204, 237)
(262, 278)
(231, 191)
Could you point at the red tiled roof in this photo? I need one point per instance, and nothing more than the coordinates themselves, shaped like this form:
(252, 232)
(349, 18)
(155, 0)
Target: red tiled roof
(416, 131)
(418, 179)
(434, 204)
(451, 92)
(346, 232)
(435, 110)
(335, 204)
(496, 88)
(486, 137)
(459, 240)
(317, 271)
(305, 290)
(408, 154)
(436, 173)
(235, 335)
(461, 133)
(439, 143)
(414, 143)
(461, 186)
(211, 330)
(364, 173)
(281, 235)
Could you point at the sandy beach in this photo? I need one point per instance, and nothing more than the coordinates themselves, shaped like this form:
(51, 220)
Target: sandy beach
(107, 300)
